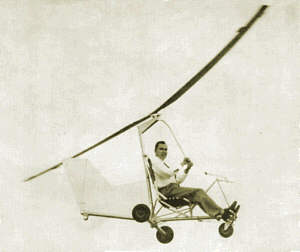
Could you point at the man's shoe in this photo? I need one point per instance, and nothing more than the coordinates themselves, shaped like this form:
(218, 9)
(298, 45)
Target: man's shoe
(233, 205)
(237, 209)
(230, 212)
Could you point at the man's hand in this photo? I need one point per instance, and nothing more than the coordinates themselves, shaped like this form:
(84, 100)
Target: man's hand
(188, 162)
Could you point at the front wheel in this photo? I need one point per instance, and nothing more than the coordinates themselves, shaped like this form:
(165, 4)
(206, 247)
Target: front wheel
(225, 230)
(167, 237)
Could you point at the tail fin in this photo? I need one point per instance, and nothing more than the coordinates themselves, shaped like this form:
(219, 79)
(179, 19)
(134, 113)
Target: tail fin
(86, 182)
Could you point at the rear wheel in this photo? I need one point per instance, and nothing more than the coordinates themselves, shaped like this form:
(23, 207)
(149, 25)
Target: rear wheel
(141, 213)
(167, 237)
(225, 230)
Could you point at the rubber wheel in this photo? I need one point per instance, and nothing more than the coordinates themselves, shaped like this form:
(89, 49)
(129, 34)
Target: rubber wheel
(225, 232)
(165, 238)
(141, 213)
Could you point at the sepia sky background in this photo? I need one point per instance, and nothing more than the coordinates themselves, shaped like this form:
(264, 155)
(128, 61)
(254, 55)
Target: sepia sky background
(73, 72)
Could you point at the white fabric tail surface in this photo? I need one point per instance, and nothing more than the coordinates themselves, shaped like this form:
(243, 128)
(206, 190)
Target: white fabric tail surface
(94, 193)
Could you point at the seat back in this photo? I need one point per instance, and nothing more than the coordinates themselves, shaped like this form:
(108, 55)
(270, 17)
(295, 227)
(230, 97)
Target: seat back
(152, 176)
(150, 170)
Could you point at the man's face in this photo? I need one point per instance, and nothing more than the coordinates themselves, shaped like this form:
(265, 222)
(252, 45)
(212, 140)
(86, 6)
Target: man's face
(161, 151)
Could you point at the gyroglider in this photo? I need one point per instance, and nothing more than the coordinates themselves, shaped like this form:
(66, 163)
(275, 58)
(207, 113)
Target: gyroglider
(176, 208)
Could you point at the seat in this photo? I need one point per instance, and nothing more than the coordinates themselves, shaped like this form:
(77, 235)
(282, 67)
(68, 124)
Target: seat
(164, 200)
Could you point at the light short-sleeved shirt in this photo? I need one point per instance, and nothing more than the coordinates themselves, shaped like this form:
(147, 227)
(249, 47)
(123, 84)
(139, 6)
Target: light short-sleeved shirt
(165, 175)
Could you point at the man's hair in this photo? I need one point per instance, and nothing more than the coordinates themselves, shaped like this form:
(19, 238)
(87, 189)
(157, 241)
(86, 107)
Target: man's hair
(158, 143)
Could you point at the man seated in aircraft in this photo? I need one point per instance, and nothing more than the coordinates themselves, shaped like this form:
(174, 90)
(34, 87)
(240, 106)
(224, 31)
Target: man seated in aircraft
(169, 180)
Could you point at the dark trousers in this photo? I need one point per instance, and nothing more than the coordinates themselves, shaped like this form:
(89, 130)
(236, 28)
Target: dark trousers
(195, 195)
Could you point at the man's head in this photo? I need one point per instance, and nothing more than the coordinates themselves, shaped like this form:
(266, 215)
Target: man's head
(161, 150)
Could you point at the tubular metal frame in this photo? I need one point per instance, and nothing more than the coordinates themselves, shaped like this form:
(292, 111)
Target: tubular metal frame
(175, 214)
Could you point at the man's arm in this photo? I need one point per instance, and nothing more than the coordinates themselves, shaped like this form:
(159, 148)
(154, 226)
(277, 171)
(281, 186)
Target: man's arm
(161, 170)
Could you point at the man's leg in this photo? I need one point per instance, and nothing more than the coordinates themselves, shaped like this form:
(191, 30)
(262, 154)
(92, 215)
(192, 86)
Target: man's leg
(195, 195)
(213, 210)
(207, 204)
(200, 197)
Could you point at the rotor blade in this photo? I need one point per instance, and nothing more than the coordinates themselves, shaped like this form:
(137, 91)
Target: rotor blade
(92, 147)
(175, 96)
(43, 172)
(214, 61)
